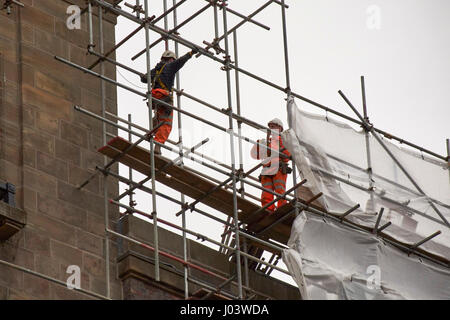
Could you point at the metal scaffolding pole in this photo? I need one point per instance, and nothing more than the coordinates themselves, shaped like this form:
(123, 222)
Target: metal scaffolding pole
(233, 159)
(371, 130)
(235, 175)
(152, 146)
(180, 145)
(190, 45)
(43, 276)
(196, 234)
(105, 159)
(241, 160)
(288, 92)
(366, 134)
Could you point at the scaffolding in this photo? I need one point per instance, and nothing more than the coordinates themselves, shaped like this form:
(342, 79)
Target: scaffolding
(249, 230)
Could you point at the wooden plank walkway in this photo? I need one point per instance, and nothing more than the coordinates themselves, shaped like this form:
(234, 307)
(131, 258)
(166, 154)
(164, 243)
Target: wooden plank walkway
(194, 186)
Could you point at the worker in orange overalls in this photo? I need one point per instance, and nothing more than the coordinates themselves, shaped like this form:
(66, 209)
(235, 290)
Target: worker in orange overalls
(275, 167)
(163, 76)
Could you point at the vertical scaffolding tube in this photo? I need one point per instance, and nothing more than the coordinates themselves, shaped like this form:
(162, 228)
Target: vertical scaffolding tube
(138, 4)
(91, 34)
(241, 160)
(180, 145)
(105, 159)
(166, 26)
(369, 160)
(233, 160)
(448, 157)
(130, 171)
(288, 90)
(152, 146)
(216, 22)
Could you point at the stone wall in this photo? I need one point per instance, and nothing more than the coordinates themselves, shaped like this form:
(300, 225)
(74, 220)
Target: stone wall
(47, 148)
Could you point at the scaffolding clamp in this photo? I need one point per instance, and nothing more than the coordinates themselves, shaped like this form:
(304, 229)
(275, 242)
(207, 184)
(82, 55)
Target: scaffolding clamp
(227, 61)
(8, 3)
(136, 8)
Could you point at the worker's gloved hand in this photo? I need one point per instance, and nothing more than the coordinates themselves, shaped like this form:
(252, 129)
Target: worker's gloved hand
(144, 78)
(194, 51)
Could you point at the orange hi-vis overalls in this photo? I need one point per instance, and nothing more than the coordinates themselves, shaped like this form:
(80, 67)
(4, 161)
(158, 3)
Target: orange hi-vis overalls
(272, 177)
(163, 77)
(164, 114)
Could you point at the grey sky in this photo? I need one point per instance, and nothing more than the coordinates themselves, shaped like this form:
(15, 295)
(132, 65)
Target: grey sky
(405, 62)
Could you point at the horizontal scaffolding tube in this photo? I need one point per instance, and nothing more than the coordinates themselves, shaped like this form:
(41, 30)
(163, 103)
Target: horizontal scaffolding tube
(206, 53)
(198, 235)
(43, 276)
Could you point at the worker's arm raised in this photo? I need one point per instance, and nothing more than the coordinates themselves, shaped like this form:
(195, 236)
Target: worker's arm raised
(179, 63)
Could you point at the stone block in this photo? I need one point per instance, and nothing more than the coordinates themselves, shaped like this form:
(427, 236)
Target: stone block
(29, 157)
(67, 255)
(89, 242)
(11, 113)
(62, 211)
(37, 242)
(30, 202)
(51, 44)
(7, 28)
(93, 265)
(48, 266)
(38, 141)
(27, 75)
(67, 151)
(13, 254)
(80, 198)
(36, 286)
(27, 34)
(11, 277)
(11, 152)
(10, 172)
(52, 166)
(74, 134)
(11, 71)
(95, 224)
(3, 293)
(78, 176)
(47, 123)
(59, 292)
(79, 38)
(29, 116)
(38, 19)
(46, 102)
(39, 181)
(53, 228)
(47, 64)
(59, 86)
(89, 159)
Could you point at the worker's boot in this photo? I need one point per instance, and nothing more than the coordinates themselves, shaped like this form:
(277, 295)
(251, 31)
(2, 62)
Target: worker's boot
(157, 149)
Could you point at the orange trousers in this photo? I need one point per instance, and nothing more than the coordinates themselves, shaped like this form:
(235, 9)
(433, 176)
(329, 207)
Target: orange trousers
(163, 132)
(164, 114)
(277, 183)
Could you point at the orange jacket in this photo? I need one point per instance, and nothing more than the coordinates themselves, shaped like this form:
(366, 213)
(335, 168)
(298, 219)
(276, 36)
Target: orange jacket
(276, 145)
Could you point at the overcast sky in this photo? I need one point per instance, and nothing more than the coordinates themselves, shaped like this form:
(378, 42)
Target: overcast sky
(402, 48)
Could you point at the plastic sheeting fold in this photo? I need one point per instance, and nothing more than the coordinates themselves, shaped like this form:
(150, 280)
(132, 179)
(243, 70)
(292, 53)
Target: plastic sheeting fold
(331, 261)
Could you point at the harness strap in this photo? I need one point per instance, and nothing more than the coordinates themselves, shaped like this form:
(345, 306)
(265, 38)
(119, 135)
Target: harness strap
(157, 78)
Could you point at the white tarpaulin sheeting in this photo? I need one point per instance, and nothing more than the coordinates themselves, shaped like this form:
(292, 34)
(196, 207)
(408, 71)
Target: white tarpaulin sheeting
(331, 261)
(333, 157)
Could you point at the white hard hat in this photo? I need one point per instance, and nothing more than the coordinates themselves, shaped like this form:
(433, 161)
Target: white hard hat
(277, 122)
(168, 54)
